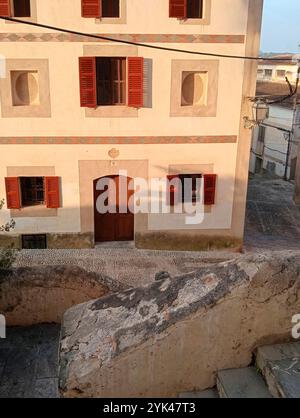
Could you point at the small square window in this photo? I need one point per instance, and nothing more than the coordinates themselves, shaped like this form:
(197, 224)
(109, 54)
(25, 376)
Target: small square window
(21, 8)
(34, 242)
(280, 73)
(32, 191)
(194, 88)
(268, 73)
(25, 88)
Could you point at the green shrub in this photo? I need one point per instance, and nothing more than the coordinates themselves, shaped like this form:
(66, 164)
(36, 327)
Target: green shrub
(7, 255)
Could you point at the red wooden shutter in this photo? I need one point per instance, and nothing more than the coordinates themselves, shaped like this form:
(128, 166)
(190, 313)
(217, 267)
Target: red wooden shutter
(174, 190)
(135, 81)
(13, 197)
(210, 181)
(178, 8)
(87, 77)
(5, 9)
(52, 195)
(91, 8)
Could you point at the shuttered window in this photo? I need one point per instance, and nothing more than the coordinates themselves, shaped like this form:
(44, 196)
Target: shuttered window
(210, 181)
(87, 77)
(176, 192)
(32, 191)
(5, 8)
(103, 81)
(52, 194)
(183, 9)
(100, 8)
(13, 197)
(135, 81)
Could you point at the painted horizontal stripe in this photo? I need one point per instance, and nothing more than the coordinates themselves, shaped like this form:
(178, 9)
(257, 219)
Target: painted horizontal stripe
(144, 38)
(148, 140)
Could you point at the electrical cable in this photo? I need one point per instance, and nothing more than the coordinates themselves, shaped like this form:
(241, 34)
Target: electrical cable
(107, 38)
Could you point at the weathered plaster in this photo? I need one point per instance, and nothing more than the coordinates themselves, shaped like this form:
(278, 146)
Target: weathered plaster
(174, 335)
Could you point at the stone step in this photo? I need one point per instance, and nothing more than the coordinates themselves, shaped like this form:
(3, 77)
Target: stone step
(276, 352)
(280, 365)
(241, 383)
(209, 393)
(283, 378)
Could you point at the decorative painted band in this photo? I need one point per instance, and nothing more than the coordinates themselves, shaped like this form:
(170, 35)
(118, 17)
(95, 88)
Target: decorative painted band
(144, 38)
(119, 140)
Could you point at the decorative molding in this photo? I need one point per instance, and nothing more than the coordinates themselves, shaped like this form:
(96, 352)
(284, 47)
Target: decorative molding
(105, 140)
(142, 38)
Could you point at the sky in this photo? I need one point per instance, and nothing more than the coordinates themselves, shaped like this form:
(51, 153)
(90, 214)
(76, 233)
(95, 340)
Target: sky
(281, 26)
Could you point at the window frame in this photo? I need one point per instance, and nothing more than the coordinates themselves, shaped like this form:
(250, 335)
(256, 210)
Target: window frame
(28, 236)
(34, 189)
(119, 99)
(204, 20)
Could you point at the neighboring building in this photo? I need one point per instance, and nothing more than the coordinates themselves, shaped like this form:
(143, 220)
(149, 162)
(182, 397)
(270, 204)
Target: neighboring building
(277, 71)
(274, 146)
(153, 113)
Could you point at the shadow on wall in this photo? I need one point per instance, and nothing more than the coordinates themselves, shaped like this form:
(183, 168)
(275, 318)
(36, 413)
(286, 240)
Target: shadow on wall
(147, 88)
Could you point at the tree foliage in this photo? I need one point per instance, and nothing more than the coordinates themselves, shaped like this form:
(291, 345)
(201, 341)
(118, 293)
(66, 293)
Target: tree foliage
(7, 255)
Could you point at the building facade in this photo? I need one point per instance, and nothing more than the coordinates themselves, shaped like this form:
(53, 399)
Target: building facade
(76, 109)
(276, 141)
(277, 70)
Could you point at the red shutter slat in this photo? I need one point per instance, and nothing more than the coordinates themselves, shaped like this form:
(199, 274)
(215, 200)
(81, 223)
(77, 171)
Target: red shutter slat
(91, 8)
(178, 8)
(52, 194)
(13, 197)
(5, 9)
(87, 77)
(135, 81)
(210, 181)
(173, 192)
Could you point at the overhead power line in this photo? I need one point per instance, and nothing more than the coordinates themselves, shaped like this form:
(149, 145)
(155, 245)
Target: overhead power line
(143, 45)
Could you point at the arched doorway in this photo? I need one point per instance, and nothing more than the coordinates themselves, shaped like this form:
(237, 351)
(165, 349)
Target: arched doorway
(117, 226)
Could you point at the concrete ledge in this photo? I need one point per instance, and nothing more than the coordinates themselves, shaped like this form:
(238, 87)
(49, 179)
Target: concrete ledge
(206, 321)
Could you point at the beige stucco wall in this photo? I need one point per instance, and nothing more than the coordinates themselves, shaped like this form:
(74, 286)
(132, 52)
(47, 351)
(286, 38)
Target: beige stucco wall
(66, 160)
(68, 119)
(140, 18)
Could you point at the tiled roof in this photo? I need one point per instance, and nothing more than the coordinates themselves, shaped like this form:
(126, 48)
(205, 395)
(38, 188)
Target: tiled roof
(278, 57)
(276, 90)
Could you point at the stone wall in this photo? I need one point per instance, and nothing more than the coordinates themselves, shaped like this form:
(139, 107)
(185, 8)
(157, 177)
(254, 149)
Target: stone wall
(174, 335)
(37, 295)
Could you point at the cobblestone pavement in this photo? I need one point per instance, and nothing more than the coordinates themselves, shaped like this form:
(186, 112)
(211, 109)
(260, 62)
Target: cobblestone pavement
(273, 219)
(129, 266)
(29, 362)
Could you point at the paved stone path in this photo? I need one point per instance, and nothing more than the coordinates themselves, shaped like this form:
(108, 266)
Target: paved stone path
(273, 219)
(29, 362)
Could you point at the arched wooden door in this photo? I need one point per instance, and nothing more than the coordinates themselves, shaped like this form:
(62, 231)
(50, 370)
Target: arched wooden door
(117, 226)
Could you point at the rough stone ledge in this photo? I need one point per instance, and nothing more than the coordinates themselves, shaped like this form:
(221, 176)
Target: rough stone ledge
(34, 295)
(173, 335)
